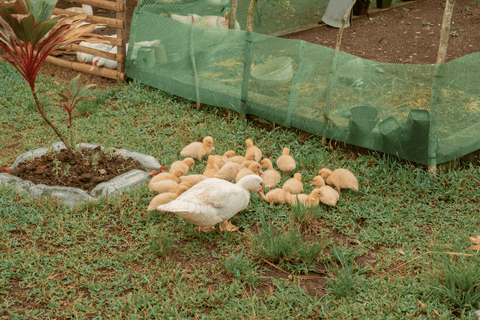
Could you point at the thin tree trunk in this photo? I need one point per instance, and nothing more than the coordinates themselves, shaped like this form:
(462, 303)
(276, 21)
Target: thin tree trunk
(436, 95)
(44, 116)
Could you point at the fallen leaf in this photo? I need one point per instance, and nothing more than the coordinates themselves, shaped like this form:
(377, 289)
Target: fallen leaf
(422, 305)
(401, 251)
(476, 240)
(6, 170)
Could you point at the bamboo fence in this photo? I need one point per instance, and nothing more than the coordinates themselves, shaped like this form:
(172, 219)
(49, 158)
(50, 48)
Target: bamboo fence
(120, 23)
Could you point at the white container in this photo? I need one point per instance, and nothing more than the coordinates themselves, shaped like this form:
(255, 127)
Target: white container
(274, 73)
(335, 12)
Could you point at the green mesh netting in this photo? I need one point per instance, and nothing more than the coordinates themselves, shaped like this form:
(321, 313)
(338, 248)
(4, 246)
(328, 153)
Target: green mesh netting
(379, 106)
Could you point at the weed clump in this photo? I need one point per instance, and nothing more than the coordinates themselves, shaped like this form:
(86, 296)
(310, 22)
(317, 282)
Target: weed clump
(286, 247)
(457, 282)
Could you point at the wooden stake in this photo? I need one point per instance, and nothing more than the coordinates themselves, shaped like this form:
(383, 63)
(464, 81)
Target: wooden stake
(233, 14)
(334, 65)
(113, 23)
(436, 94)
(251, 13)
(109, 5)
(122, 34)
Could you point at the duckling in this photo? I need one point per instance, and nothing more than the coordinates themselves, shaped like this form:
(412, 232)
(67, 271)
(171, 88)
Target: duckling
(270, 176)
(256, 150)
(285, 162)
(197, 150)
(249, 156)
(186, 164)
(166, 197)
(193, 179)
(308, 200)
(318, 182)
(340, 178)
(220, 159)
(329, 195)
(253, 168)
(228, 172)
(211, 168)
(166, 186)
(175, 176)
(276, 196)
(294, 185)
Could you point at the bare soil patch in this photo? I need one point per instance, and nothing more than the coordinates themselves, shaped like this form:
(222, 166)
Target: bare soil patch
(406, 34)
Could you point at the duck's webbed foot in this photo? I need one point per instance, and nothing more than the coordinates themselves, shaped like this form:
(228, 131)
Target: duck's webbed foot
(206, 229)
(226, 225)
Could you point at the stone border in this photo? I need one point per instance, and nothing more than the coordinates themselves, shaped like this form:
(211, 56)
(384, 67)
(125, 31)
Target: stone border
(72, 196)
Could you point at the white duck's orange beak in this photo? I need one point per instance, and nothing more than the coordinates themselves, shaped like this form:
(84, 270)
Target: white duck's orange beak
(261, 190)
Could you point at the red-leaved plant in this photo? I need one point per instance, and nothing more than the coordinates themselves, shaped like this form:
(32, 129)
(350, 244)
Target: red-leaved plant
(28, 35)
(70, 96)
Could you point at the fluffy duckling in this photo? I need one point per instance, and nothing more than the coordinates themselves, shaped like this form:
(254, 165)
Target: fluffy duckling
(285, 162)
(294, 185)
(277, 196)
(211, 169)
(197, 150)
(166, 197)
(252, 148)
(249, 156)
(340, 178)
(166, 186)
(329, 196)
(253, 168)
(270, 176)
(308, 200)
(228, 172)
(221, 159)
(193, 179)
(318, 182)
(175, 176)
(186, 164)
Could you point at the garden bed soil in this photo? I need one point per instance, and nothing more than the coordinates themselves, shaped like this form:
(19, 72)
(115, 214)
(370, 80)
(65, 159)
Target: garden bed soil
(72, 170)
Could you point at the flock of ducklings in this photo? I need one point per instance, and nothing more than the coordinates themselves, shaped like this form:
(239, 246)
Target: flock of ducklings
(232, 168)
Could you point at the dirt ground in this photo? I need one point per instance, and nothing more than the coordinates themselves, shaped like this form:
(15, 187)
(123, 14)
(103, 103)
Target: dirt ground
(406, 34)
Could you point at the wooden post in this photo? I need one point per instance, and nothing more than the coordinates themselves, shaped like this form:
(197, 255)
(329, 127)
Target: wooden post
(331, 79)
(233, 14)
(436, 94)
(122, 34)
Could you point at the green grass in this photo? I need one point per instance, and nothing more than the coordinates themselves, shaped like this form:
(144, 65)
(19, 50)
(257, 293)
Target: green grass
(112, 259)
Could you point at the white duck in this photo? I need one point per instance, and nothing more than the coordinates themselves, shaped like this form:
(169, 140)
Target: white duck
(214, 200)
(84, 9)
(87, 58)
(107, 63)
